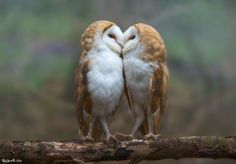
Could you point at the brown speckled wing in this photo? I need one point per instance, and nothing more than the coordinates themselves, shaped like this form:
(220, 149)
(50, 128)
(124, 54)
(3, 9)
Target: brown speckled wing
(158, 94)
(83, 99)
(158, 89)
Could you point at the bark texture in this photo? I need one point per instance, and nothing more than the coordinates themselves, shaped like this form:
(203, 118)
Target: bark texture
(135, 150)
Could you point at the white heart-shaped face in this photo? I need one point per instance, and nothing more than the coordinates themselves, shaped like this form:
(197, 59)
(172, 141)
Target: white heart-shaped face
(113, 38)
(119, 42)
(131, 39)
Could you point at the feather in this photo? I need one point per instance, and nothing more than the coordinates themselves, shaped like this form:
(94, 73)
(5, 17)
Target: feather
(129, 97)
(83, 99)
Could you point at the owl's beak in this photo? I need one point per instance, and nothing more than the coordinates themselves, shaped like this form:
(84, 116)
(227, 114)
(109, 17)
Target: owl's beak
(121, 46)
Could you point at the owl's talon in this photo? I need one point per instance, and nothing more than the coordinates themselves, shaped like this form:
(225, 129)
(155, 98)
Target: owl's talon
(150, 136)
(158, 135)
(123, 137)
(77, 140)
(87, 139)
(110, 139)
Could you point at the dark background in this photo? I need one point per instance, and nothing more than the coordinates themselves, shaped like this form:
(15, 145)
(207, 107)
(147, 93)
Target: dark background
(39, 45)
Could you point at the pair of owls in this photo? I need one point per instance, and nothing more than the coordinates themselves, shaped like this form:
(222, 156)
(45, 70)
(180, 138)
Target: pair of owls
(113, 63)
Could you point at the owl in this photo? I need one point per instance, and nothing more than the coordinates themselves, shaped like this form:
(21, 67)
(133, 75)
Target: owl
(99, 79)
(146, 77)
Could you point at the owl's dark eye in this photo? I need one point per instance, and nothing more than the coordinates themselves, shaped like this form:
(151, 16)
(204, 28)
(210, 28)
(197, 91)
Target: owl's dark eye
(112, 36)
(132, 37)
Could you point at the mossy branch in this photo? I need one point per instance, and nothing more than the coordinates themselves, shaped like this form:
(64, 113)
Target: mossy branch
(134, 150)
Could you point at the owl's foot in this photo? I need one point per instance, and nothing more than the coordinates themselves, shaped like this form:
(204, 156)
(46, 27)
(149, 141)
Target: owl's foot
(151, 136)
(88, 139)
(77, 140)
(124, 137)
(111, 140)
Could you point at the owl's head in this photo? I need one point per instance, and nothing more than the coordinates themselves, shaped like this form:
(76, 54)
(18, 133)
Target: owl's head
(143, 35)
(103, 33)
(131, 39)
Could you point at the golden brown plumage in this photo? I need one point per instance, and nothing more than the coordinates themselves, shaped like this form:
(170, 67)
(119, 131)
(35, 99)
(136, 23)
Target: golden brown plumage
(147, 60)
(87, 40)
(155, 52)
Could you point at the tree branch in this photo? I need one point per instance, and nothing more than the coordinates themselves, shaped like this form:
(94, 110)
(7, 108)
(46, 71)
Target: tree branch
(163, 148)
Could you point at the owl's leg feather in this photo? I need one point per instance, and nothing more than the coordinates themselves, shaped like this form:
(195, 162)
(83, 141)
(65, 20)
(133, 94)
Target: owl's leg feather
(108, 136)
(153, 125)
(150, 136)
(90, 130)
(150, 122)
(123, 137)
(139, 118)
(137, 124)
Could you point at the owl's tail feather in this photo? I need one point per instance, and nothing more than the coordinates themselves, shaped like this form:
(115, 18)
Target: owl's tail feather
(156, 121)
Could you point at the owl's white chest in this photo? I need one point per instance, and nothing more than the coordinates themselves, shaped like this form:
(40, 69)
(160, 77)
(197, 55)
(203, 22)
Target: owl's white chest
(137, 73)
(105, 80)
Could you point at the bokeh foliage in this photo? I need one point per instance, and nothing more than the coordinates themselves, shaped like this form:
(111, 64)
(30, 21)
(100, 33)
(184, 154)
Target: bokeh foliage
(39, 47)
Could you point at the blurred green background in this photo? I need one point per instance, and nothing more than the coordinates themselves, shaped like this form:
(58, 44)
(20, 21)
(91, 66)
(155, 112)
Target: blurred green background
(39, 50)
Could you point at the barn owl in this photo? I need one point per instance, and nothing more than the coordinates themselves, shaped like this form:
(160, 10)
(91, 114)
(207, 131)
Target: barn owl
(99, 79)
(146, 77)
